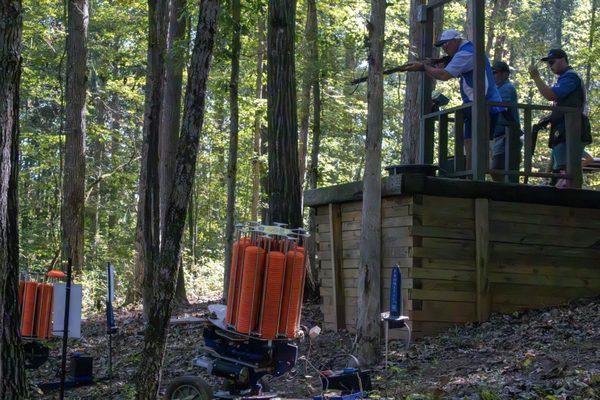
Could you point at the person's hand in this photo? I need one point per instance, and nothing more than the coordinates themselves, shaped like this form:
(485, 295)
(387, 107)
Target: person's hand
(413, 66)
(534, 72)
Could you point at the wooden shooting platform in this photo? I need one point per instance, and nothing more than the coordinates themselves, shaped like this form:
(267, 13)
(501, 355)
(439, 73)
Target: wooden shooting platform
(465, 248)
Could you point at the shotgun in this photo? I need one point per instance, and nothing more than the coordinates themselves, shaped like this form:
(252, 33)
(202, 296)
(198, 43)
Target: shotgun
(403, 68)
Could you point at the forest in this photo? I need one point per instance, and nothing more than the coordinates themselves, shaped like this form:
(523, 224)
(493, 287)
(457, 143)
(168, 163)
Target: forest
(517, 32)
(91, 72)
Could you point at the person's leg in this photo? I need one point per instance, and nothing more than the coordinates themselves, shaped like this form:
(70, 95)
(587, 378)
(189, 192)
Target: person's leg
(467, 130)
(515, 159)
(498, 157)
(559, 163)
(498, 164)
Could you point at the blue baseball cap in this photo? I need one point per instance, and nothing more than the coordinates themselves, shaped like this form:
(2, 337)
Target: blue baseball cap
(555, 54)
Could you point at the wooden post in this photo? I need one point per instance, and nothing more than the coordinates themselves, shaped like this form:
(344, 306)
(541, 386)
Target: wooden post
(335, 228)
(426, 88)
(511, 150)
(573, 131)
(482, 241)
(479, 109)
(528, 144)
(443, 143)
(459, 142)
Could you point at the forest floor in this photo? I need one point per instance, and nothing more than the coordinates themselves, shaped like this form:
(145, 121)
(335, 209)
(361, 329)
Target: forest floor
(544, 354)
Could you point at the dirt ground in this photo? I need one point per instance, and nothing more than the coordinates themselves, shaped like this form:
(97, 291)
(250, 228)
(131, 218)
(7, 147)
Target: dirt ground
(544, 354)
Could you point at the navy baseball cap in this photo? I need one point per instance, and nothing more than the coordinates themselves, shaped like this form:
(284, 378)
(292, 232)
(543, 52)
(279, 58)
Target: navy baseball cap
(555, 54)
(500, 66)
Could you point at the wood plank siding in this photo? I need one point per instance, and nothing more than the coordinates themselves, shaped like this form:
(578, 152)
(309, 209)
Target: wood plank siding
(461, 257)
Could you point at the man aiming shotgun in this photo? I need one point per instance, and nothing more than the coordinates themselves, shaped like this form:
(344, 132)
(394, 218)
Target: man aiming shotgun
(461, 66)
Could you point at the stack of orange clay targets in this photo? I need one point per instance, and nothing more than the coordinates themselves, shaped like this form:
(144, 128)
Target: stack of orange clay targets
(266, 283)
(35, 300)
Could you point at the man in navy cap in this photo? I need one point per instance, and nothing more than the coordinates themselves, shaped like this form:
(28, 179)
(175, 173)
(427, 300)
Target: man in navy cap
(461, 66)
(568, 91)
(506, 119)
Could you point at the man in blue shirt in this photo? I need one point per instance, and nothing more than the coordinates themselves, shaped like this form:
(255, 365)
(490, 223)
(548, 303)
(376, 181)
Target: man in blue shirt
(568, 91)
(461, 66)
(506, 119)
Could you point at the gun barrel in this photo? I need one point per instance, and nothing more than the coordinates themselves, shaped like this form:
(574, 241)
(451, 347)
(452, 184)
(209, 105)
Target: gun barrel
(390, 71)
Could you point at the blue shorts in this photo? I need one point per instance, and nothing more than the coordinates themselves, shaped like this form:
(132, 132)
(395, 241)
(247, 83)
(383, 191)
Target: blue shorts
(468, 126)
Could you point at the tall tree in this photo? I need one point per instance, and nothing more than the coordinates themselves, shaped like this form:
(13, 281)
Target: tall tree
(497, 31)
(148, 211)
(258, 115)
(233, 138)
(307, 83)
(591, 38)
(159, 311)
(283, 179)
(74, 167)
(468, 22)
(312, 171)
(412, 98)
(170, 117)
(12, 368)
(369, 281)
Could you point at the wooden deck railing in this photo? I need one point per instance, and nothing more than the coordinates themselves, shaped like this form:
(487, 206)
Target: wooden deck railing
(456, 165)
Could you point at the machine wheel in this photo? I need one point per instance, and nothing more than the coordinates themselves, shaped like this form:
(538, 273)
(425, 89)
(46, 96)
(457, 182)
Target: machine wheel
(188, 388)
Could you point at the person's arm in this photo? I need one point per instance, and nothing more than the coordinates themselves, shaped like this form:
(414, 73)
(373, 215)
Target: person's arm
(544, 89)
(413, 66)
(437, 73)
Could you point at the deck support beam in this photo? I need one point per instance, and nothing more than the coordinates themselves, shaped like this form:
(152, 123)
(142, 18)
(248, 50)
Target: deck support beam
(479, 116)
(482, 245)
(335, 226)
(426, 139)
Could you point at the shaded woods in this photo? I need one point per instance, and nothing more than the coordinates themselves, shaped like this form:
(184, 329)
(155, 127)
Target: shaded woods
(109, 159)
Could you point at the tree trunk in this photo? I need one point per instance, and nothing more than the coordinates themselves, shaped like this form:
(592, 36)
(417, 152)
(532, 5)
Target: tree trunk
(170, 116)
(369, 280)
(13, 384)
(284, 179)
(159, 312)
(438, 28)
(558, 15)
(307, 83)
(233, 140)
(493, 22)
(468, 21)
(312, 172)
(499, 50)
(592, 34)
(500, 28)
(412, 99)
(74, 169)
(258, 128)
(148, 212)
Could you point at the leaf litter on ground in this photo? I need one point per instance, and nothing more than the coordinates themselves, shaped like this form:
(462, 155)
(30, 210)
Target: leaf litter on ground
(551, 354)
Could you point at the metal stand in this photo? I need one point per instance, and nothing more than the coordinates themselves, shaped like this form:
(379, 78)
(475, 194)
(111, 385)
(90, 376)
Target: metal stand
(65, 338)
(110, 319)
(394, 319)
(396, 323)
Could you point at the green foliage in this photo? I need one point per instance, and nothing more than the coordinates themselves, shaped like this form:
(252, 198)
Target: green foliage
(115, 106)
(488, 395)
